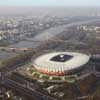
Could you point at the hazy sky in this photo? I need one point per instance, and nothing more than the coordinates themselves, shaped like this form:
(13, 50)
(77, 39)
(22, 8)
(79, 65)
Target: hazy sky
(50, 2)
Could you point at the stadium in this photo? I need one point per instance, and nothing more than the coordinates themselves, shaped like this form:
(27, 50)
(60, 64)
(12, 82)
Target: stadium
(61, 63)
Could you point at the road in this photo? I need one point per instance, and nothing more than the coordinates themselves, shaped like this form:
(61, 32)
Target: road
(25, 90)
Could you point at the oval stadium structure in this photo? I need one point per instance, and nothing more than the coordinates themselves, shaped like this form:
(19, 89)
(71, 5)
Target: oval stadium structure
(61, 63)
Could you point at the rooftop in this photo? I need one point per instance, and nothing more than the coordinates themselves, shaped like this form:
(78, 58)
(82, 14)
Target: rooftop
(63, 60)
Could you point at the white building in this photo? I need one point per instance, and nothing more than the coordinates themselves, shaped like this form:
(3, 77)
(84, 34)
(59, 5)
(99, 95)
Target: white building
(60, 63)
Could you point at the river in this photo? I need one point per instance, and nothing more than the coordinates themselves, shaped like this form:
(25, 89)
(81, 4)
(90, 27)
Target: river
(47, 34)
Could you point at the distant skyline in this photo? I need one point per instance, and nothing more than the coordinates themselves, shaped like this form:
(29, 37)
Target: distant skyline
(49, 2)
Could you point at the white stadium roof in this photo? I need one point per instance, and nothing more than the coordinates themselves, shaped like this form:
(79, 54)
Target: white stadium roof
(74, 61)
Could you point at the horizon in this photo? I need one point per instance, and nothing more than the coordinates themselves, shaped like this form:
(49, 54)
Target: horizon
(60, 11)
(49, 3)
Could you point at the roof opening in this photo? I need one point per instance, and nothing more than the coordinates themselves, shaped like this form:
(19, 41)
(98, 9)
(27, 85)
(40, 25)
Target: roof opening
(61, 58)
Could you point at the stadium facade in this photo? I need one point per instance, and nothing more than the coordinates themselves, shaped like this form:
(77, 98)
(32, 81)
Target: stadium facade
(61, 63)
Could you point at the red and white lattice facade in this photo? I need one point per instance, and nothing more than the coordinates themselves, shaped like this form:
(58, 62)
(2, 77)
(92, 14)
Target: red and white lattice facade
(61, 66)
